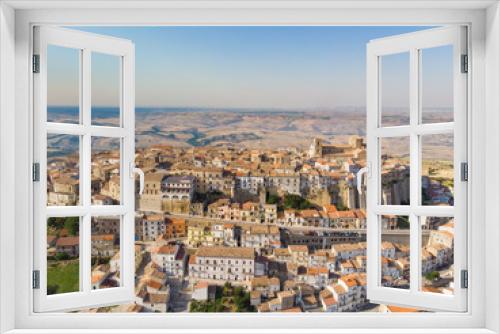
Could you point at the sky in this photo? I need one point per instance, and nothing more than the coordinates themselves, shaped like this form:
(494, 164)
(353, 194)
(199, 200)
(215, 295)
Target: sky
(247, 67)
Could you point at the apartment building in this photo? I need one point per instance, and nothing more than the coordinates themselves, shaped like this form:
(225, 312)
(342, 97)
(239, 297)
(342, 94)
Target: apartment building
(348, 251)
(234, 264)
(260, 236)
(171, 259)
(104, 245)
(153, 226)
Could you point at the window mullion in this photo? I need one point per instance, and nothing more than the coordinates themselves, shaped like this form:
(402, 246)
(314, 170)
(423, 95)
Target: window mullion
(414, 170)
(85, 174)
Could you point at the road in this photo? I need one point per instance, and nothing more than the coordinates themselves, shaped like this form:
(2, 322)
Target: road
(180, 295)
(291, 228)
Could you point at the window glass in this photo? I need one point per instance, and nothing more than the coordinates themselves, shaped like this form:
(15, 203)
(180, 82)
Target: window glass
(395, 252)
(437, 84)
(105, 252)
(63, 170)
(395, 89)
(395, 171)
(63, 84)
(106, 89)
(106, 181)
(438, 234)
(437, 169)
(63, 255)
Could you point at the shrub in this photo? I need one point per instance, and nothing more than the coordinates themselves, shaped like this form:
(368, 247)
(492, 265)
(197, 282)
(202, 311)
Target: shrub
(433, 275)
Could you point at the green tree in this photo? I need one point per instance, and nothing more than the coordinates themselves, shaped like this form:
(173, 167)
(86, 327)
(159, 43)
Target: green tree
(72, 225)
(56, 223)
(52, 289)
(296, 202)
(227, 289)
(403, 223)
(433, 275)
(272, 199)
(62, 256)
(341, 207)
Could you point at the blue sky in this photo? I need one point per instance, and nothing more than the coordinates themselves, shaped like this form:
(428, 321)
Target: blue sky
(249, 67)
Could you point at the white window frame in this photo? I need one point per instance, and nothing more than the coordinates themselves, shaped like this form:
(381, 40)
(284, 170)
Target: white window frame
(16, 20)
(412, 44)
(86, 44)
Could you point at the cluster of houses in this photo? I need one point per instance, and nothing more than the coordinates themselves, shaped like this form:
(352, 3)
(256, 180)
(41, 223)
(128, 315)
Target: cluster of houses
(293, 278)
(230, 233)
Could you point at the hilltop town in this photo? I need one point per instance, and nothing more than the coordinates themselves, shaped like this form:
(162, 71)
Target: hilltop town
(227, 228)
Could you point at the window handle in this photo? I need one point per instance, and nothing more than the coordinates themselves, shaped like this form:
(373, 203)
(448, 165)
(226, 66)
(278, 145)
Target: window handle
(359, 177)
(133, 171)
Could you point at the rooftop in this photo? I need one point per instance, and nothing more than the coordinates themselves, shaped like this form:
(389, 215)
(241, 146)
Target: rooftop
(226, 252)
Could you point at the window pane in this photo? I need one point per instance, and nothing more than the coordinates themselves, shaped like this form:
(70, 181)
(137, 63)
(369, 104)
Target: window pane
(395, 252)
(105, 252)
(63, 251)
(437, 169)
(106, 89)
(437, 84)
(437, 254)
(63, 84)
(105, 171)
(63, 166)
(395, 89)
(395, 169)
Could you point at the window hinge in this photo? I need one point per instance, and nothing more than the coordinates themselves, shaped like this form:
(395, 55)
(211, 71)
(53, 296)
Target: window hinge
(36, 279)
(464, 171)
(465, 64)
(36, 172)
(464, 279)
(36, 63)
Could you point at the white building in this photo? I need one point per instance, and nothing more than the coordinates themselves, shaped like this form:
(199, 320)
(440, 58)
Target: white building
(178, 187)
(260, 236)
(250, 183)
(171, 259)
(236, 264)
(153, 226)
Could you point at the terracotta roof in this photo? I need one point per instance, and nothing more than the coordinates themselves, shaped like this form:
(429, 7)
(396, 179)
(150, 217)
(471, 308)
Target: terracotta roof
(264, 281)
(309, 213)
(392, 308)
(339, 289)
(98, 277)
(281, 252)
(66, 180)
(298, 248)
(316, 271)
(330, 208)
(154, 177)
(167, 249)
(255, 294)
(154, 217)
(103, 237)
(201, 285)
(154, 284)
(68, 241)
(158, 298)
(249, 205)
(342, 214)
(226, 252)
(292, 309)
(285, 294)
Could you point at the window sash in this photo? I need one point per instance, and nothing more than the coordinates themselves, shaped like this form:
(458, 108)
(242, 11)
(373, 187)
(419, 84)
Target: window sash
(86, 43)
(413, 43)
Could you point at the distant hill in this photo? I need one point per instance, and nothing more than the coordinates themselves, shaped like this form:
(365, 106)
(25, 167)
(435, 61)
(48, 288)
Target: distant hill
(252, 128)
